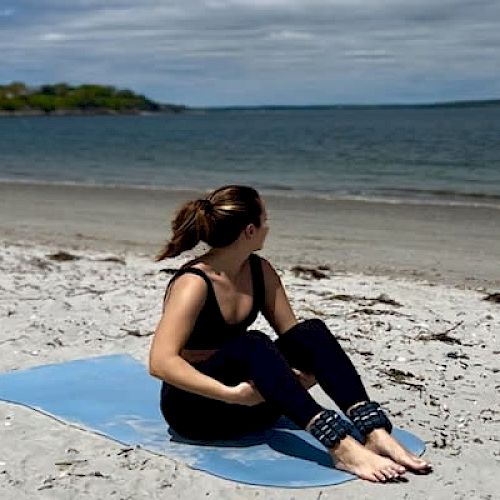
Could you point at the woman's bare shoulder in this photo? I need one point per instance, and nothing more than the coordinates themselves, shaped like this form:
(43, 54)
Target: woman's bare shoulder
(187, 288)
(271, 276)
(188, 279)
(267, 267)
(197, 263)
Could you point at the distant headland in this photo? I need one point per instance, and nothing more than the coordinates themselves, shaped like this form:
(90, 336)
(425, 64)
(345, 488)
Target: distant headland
(62, 99)
(18, 98)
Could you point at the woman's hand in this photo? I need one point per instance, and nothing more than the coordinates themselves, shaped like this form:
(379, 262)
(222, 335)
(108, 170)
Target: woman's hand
(245, 394)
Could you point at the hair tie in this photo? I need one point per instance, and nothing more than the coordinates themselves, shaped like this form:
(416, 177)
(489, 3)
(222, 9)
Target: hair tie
(205, 205)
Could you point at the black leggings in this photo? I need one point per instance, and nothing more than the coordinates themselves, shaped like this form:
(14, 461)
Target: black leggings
(308, 346)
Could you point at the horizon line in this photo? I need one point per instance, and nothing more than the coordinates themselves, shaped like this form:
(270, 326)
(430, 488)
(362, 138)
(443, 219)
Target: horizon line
(451, 103)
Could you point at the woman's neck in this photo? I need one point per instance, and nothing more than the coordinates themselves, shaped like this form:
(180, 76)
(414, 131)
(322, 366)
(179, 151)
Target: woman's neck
(229, 261)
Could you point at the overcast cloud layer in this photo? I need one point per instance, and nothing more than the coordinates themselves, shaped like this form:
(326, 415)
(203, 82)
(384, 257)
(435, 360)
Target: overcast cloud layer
(223, 52)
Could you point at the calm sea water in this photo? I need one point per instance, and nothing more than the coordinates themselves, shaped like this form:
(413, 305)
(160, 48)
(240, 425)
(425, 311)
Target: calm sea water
(421, 155)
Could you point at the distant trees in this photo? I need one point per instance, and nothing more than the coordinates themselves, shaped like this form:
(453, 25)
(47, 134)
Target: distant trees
(61, 97)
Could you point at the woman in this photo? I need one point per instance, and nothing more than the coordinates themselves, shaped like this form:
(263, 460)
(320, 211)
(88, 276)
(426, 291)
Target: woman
(221, 380)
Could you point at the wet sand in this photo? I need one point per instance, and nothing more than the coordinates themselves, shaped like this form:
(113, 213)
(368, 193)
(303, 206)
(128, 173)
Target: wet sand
(442, 244)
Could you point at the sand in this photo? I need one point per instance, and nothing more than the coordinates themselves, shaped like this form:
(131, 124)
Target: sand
(424, 342)
(452, 244)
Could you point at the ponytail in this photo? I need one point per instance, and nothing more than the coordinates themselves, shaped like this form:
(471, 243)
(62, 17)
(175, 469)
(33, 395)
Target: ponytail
(190, 225)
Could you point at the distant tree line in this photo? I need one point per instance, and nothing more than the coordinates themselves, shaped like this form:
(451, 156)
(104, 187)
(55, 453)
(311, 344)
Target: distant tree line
(17, 97)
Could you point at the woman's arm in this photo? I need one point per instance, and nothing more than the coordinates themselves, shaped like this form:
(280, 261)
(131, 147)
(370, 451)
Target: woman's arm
(277, 309)
(279, 312)
(182, 307)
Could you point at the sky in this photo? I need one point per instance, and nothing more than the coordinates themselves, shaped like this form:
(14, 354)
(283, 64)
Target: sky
(259, 52)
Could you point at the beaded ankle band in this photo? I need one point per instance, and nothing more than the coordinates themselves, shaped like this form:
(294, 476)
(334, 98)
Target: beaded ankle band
(368, 416)
(329, 428)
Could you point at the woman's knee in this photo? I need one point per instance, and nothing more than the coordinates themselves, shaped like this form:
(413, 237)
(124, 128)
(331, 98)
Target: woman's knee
(310, 329)
(250, 343)
(257, 346)
(257, 340)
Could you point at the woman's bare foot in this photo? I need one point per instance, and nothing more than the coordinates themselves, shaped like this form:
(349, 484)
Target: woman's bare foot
(353, 457)
(382, 443)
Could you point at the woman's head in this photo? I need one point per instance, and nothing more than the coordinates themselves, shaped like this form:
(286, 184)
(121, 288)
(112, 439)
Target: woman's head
(217, 220)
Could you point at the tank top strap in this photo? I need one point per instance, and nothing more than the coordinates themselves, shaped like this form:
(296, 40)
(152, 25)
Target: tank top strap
(191, 270)
(258, 281)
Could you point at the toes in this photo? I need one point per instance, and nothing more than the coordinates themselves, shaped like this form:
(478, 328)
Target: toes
(419, 464)
(424, 467)
(390, 474)
(424, 464)
(399, 472)
(396, 467)
(380, 476)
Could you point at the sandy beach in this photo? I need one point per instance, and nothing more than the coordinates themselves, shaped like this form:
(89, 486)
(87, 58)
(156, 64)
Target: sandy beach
(457, 245)
(403, 288)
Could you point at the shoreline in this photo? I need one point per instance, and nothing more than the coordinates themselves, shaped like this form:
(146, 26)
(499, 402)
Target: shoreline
(92, 113)
(434, 198)
(455, 245)
(449, 244)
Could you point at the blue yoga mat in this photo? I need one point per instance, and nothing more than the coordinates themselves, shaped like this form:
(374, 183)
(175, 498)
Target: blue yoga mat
(116, 397)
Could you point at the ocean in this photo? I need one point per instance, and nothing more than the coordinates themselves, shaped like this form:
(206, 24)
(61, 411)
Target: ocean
(415, 155)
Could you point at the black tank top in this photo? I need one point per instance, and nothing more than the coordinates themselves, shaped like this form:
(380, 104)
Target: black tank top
(211, 330)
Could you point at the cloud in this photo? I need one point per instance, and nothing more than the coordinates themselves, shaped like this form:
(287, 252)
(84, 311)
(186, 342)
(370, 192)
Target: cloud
(53, 37)
(6, 12)
(260, 51)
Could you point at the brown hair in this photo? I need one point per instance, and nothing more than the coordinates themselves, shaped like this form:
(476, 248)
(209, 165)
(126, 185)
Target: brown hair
(217, 220)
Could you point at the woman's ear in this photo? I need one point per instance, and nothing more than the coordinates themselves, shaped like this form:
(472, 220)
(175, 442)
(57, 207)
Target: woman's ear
(249, 231)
